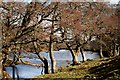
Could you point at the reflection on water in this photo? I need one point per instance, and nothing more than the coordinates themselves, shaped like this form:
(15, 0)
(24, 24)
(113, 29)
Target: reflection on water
(63, 58)
(25, 71)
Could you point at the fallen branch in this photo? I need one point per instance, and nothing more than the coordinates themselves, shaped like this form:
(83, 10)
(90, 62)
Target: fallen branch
(28, 63)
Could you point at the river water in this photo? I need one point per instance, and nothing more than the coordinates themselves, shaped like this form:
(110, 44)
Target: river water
(63, 58)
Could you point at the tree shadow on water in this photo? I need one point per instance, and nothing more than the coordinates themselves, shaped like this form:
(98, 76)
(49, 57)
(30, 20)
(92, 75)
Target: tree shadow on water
(108, 70)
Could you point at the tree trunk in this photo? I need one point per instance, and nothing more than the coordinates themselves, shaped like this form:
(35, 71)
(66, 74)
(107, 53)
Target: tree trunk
(4, 73)
(13, 72)
(74, 55)
(111, 52)
(53, 62)
(83, 55)
(115, 50)
(17, 73)
(118, 50)
(43, 59)
(101, 54)
(46, 64)
(5, 58)
(75, 58)
(51, 53)
(46, 67)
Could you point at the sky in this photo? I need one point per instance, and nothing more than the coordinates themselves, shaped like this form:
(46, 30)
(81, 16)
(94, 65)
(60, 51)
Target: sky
(114, 1)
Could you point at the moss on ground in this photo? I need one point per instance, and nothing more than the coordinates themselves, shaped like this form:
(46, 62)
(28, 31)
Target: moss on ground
(105, 68)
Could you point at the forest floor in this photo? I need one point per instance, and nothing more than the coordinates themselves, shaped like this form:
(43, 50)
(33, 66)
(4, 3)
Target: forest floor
(97, 69)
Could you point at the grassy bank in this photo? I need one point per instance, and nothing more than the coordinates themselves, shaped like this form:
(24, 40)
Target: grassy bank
(105, 68)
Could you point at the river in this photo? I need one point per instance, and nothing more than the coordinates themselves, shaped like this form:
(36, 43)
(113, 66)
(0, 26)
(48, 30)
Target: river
(63, 58)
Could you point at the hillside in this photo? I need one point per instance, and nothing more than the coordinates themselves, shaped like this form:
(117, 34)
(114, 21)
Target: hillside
(105, 68)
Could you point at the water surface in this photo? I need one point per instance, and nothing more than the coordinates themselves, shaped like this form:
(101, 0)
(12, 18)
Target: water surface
(63, 58)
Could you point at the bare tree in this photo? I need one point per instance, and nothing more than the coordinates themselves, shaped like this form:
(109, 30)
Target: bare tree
(19, 22)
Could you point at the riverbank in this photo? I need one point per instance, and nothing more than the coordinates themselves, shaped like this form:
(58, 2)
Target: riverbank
(105, 68)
